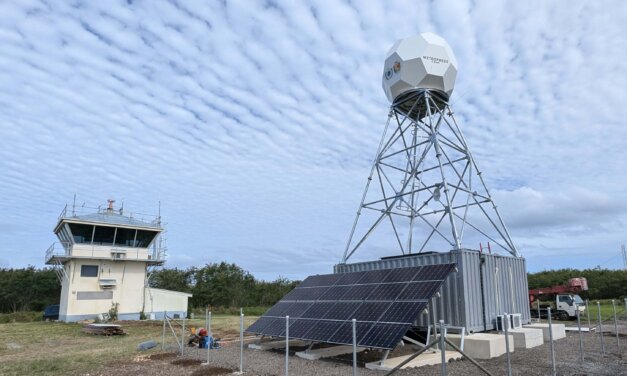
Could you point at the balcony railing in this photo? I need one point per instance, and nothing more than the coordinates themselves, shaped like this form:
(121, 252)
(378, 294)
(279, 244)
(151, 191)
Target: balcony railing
(65, 250)
(58, 249)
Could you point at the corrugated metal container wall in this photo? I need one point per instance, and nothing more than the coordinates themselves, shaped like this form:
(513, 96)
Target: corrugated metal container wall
(502, 279)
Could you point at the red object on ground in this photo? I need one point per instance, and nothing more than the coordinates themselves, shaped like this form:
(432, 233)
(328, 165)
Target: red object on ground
(574, 285)
(202, 332)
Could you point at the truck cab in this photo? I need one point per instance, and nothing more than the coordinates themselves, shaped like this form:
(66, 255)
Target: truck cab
(563, 306)
(569, 303)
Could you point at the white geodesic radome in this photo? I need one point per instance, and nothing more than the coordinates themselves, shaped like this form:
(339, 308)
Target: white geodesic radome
(422, 61)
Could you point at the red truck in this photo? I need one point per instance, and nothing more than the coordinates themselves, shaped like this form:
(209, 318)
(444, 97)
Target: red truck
(563, 300)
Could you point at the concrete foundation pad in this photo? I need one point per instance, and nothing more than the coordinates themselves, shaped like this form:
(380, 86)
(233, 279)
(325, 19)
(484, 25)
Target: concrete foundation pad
(426, 359)
(276, 344)
(327, 352)
(526, 338)
(483, 345)
(559, 330)
(576, 329)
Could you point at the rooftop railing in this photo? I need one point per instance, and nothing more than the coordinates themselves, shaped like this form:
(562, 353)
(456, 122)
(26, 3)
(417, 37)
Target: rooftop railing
(75, 211)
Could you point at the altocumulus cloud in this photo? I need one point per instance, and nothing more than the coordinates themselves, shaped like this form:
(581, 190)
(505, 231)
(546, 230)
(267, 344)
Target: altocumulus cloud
(254, 123)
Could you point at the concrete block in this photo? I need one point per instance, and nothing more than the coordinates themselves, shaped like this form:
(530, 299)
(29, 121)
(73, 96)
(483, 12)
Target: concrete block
(483, 345)
(425, 359)
(526, 338)
(327, 352)
(276, 344)
(559, 330)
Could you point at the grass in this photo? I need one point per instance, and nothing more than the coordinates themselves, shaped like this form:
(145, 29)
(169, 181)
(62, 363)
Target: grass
(21, 316)
(54, 348)
(607, 311)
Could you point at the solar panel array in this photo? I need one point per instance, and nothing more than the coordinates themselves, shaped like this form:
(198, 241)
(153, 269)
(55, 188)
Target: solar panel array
(385, 304)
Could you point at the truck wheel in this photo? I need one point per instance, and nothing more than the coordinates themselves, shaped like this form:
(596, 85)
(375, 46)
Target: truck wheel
(563, 316)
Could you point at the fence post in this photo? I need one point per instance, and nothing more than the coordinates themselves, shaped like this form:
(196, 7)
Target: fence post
(601, 328)
(183, 336)
(588, 312)
(287, 345)
(505, 327)
(442, 349)
(553, 370)
(210, 335)
(616, 326)
(539, 316)
(241, 342)
(163, 334)
(354, 347)
(580, 337)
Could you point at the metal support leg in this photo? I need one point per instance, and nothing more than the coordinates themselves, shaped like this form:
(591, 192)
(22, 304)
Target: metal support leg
(616, 326)
(601, 328)
(354, 347)
(507, 356)
(553, 370)
(287, 345)
(163, 334)
(183, 337)
(442, 349)
(580, 336)
(241, 342)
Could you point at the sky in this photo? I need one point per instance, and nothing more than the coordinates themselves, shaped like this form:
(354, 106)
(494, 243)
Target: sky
(254, 124)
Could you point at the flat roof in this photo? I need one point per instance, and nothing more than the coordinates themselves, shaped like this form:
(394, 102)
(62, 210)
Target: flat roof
(111, 219)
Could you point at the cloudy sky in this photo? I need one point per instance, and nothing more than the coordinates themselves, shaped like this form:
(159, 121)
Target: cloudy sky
(255, 123)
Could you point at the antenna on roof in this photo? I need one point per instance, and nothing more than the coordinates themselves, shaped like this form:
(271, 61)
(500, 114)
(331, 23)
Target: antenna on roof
(74, 206)
(110, 207)
(122, 208)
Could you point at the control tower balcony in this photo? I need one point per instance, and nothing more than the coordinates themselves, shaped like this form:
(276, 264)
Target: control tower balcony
(60, 252)
(106, 234)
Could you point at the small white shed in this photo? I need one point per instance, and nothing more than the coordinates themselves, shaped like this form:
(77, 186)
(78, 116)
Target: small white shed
(159, 301)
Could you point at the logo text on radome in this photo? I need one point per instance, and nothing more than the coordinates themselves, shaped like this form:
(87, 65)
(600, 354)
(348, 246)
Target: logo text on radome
(436, 60)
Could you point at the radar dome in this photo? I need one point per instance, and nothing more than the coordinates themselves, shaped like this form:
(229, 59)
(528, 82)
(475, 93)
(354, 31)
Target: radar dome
(422, 61)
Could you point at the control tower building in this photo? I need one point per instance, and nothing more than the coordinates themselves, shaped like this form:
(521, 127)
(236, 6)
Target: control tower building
(102, 260)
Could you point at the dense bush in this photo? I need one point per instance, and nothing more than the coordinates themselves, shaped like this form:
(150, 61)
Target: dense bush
(22, 316)
(222, 285)
(28, 289)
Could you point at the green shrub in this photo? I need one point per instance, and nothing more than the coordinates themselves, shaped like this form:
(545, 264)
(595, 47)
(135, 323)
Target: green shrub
(21, 316)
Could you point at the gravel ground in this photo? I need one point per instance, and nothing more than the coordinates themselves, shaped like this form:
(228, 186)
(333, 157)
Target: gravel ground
(532, 362)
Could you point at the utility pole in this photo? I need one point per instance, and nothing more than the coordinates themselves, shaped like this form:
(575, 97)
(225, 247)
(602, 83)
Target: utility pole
(624, 257)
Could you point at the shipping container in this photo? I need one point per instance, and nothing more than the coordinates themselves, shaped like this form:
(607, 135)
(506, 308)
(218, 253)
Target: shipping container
(483, 287)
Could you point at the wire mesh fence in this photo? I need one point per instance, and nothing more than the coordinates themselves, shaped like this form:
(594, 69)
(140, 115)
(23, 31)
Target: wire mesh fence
(231, 348)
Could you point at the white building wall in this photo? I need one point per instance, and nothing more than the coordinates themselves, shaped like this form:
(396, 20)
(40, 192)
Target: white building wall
(159, 301)
(84, 297)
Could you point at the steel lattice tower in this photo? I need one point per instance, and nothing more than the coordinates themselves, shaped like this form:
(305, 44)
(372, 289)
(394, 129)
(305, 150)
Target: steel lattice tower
(424, 176)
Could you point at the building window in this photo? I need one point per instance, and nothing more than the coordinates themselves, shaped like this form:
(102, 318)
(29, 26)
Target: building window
(104, 235)
(81, 233)
(125, 237)
(144, 238)
(89, 270)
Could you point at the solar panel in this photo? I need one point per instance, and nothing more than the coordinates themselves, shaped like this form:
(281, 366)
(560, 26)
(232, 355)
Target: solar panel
(341, 311)
(350, 278)
(385, 303)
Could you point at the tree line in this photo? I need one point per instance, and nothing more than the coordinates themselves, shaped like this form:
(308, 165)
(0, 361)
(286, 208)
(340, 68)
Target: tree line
(228, 285)
(222, 285)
